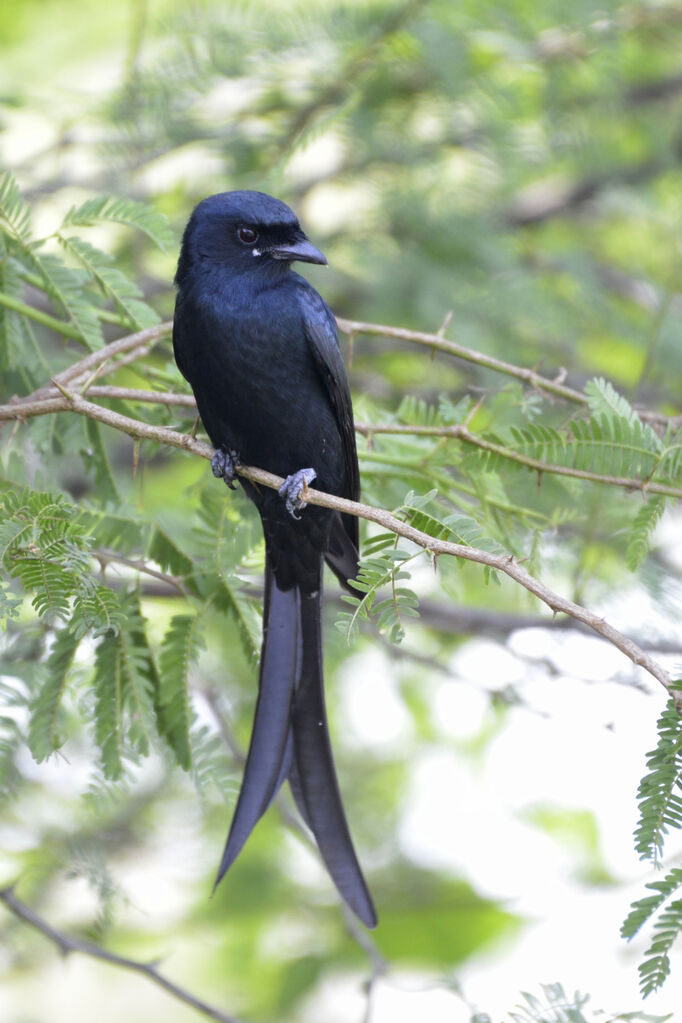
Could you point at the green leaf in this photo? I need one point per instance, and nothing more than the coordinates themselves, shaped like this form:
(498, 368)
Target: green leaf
(65, 286)
(166, 553)
(96, 459)
(643, 909)
(641, 531)
(660, 802)
(125, 681)
(108, 209)
(179, 651)
(43, 737)
(12, 336)
(113, 283)
(14, 211)
(228, 597)
(603, 398)
(667, 928)
(109, 705)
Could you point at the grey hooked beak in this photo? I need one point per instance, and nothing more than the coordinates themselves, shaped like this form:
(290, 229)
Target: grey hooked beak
(300, 249)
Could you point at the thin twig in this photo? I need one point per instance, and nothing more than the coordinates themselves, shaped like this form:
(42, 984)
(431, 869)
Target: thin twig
(66, 944)
(456, 432)
(506, 564)
(460, 432)
(87, 364)
(148, 397)
(152, 335)
(435, 341)
(104, 555)
(528, 376)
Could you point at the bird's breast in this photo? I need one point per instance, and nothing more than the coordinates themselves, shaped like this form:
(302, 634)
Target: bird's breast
(258, 389)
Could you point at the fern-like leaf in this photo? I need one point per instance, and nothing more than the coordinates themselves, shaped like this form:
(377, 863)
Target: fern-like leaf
(643, 909)
(210, 765)
(65, 286)
(603, 398)
(12, 339)
(125, 692)
(384, 566)
(654, 970)
(108, 209)
(660, 802)
(641, 531)
(227, 595)
(109, 706)
(113, 283)
(168, 555)
(96, 459)
(43, 736)
(180, 649)
(14, 212)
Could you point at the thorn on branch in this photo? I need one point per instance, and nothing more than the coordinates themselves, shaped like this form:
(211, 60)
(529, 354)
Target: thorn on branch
(66, 394)
(446, 323)
(473, 411)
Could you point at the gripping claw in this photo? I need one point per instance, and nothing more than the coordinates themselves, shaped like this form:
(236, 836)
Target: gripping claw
(294, 488)
(224, 464)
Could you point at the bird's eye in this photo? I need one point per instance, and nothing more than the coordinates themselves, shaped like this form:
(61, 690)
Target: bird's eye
(247, 235)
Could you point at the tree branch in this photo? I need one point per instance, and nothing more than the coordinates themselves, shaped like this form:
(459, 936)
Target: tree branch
(89, 364)
(460, 432)
(438, 343)
(66, 944)
(79, 370)
(457, 431)
(506, 564)
(105, 556)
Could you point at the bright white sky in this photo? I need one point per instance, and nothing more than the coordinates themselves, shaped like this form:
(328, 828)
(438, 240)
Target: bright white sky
(577, 744)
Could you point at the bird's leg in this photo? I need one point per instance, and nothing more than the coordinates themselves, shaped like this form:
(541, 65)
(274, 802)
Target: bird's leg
(225, 464)
(294, 488)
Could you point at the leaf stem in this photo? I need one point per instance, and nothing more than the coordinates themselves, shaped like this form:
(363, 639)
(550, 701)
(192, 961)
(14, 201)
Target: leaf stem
(66, 329)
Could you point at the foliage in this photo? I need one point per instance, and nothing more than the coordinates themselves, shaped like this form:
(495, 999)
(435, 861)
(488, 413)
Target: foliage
(559, 1007)
(508, 171)
(660, 810)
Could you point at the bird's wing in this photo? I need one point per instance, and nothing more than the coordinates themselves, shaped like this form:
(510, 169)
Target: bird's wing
(321, 332)
(322, 335)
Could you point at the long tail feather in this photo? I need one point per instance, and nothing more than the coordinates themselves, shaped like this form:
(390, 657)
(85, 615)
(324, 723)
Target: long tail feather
(266, 765)
(314, 775)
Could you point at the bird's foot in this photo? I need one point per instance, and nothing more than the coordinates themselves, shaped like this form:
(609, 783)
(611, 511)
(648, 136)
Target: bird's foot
(294, 488)
(225, 464)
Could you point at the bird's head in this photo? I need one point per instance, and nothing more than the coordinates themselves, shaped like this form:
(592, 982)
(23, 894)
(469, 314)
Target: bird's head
(242, 231)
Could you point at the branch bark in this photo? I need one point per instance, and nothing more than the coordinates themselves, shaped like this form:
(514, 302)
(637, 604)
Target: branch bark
(506, 564)
(66, 944)
(93, 363)
(457, 431)
(460, 432)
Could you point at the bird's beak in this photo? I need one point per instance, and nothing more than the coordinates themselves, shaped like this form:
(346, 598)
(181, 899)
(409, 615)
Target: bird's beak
(300, 249)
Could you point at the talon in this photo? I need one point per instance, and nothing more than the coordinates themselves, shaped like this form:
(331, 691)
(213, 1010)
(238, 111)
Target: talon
(294, 490)
(224, 465)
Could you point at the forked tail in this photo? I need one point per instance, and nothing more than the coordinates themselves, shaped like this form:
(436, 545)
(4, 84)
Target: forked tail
(290, 738)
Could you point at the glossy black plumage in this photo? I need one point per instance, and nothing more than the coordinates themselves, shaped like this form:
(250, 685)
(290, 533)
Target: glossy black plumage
(259, 348)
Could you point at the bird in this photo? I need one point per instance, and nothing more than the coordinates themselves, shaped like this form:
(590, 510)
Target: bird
(259, 348)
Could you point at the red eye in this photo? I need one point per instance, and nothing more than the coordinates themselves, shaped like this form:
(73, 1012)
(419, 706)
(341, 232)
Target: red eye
(247, 235)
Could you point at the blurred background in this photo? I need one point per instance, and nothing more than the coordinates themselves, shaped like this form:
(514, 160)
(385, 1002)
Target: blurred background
(508, 174)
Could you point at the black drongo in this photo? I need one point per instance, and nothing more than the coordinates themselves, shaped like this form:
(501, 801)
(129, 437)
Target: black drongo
(259, 347)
